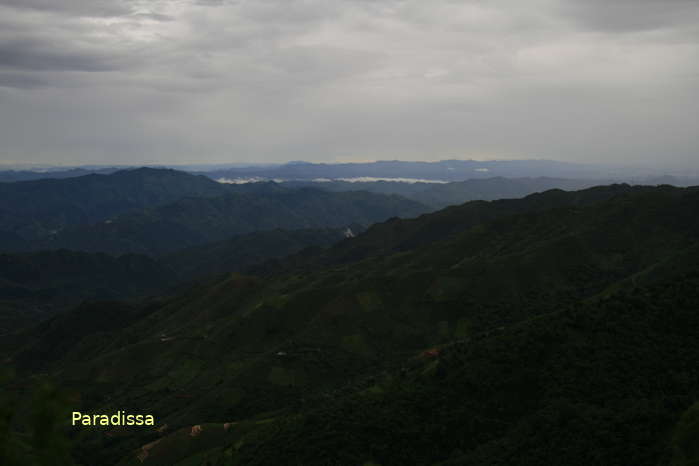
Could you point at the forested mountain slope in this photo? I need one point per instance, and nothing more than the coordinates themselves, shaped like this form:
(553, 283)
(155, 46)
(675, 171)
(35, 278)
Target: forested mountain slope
(557, 330)
(244, 251)
(197, 220)
(36, 285)
(596, 383)
(398, 235)
(40, 209)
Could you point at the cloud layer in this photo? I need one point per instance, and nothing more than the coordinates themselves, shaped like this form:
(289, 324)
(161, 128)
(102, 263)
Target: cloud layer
(180, 81)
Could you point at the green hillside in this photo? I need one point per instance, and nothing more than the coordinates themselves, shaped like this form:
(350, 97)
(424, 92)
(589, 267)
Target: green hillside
(595, 383)
(243, 251)
(556, 329)
(37, 285)
(397, 235)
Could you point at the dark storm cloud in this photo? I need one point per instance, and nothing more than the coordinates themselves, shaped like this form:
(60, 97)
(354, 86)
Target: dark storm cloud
(45, 37)
(271, 80)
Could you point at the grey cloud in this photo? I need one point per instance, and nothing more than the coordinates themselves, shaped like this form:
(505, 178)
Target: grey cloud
(22, 80)
(45, 42)
(213, 2)
(42, 56)
(272, 80)
(290, 11)
(632, 15)
(152, 16)
(79, 7)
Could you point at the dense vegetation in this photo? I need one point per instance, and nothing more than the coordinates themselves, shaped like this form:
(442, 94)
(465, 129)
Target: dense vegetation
(244, 251)
(40, 209)
(156, 211)
(36, 285)
(194, 221)
(398, 235)
(556, 329)
(598, 383)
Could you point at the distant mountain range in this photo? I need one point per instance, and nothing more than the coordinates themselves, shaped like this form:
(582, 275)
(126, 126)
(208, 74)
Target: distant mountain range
(32, 210)
(157, 210)
(55, 173)
(444, 170)
(194, 221)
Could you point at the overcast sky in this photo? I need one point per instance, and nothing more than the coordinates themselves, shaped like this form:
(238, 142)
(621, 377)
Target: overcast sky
(195, 81)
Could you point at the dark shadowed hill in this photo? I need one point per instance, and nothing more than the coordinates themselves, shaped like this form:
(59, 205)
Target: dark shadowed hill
(37, 285)
(558, 331)
(243, 251)
(156, 211)
(37, 210)
(196, 220)
(34, 286)
(398, 235)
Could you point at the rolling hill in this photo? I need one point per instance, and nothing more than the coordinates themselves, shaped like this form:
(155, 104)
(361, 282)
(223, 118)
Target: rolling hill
(34, 286)
(37, 210)
(195, 221)
(398, 235)
(37, 285)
